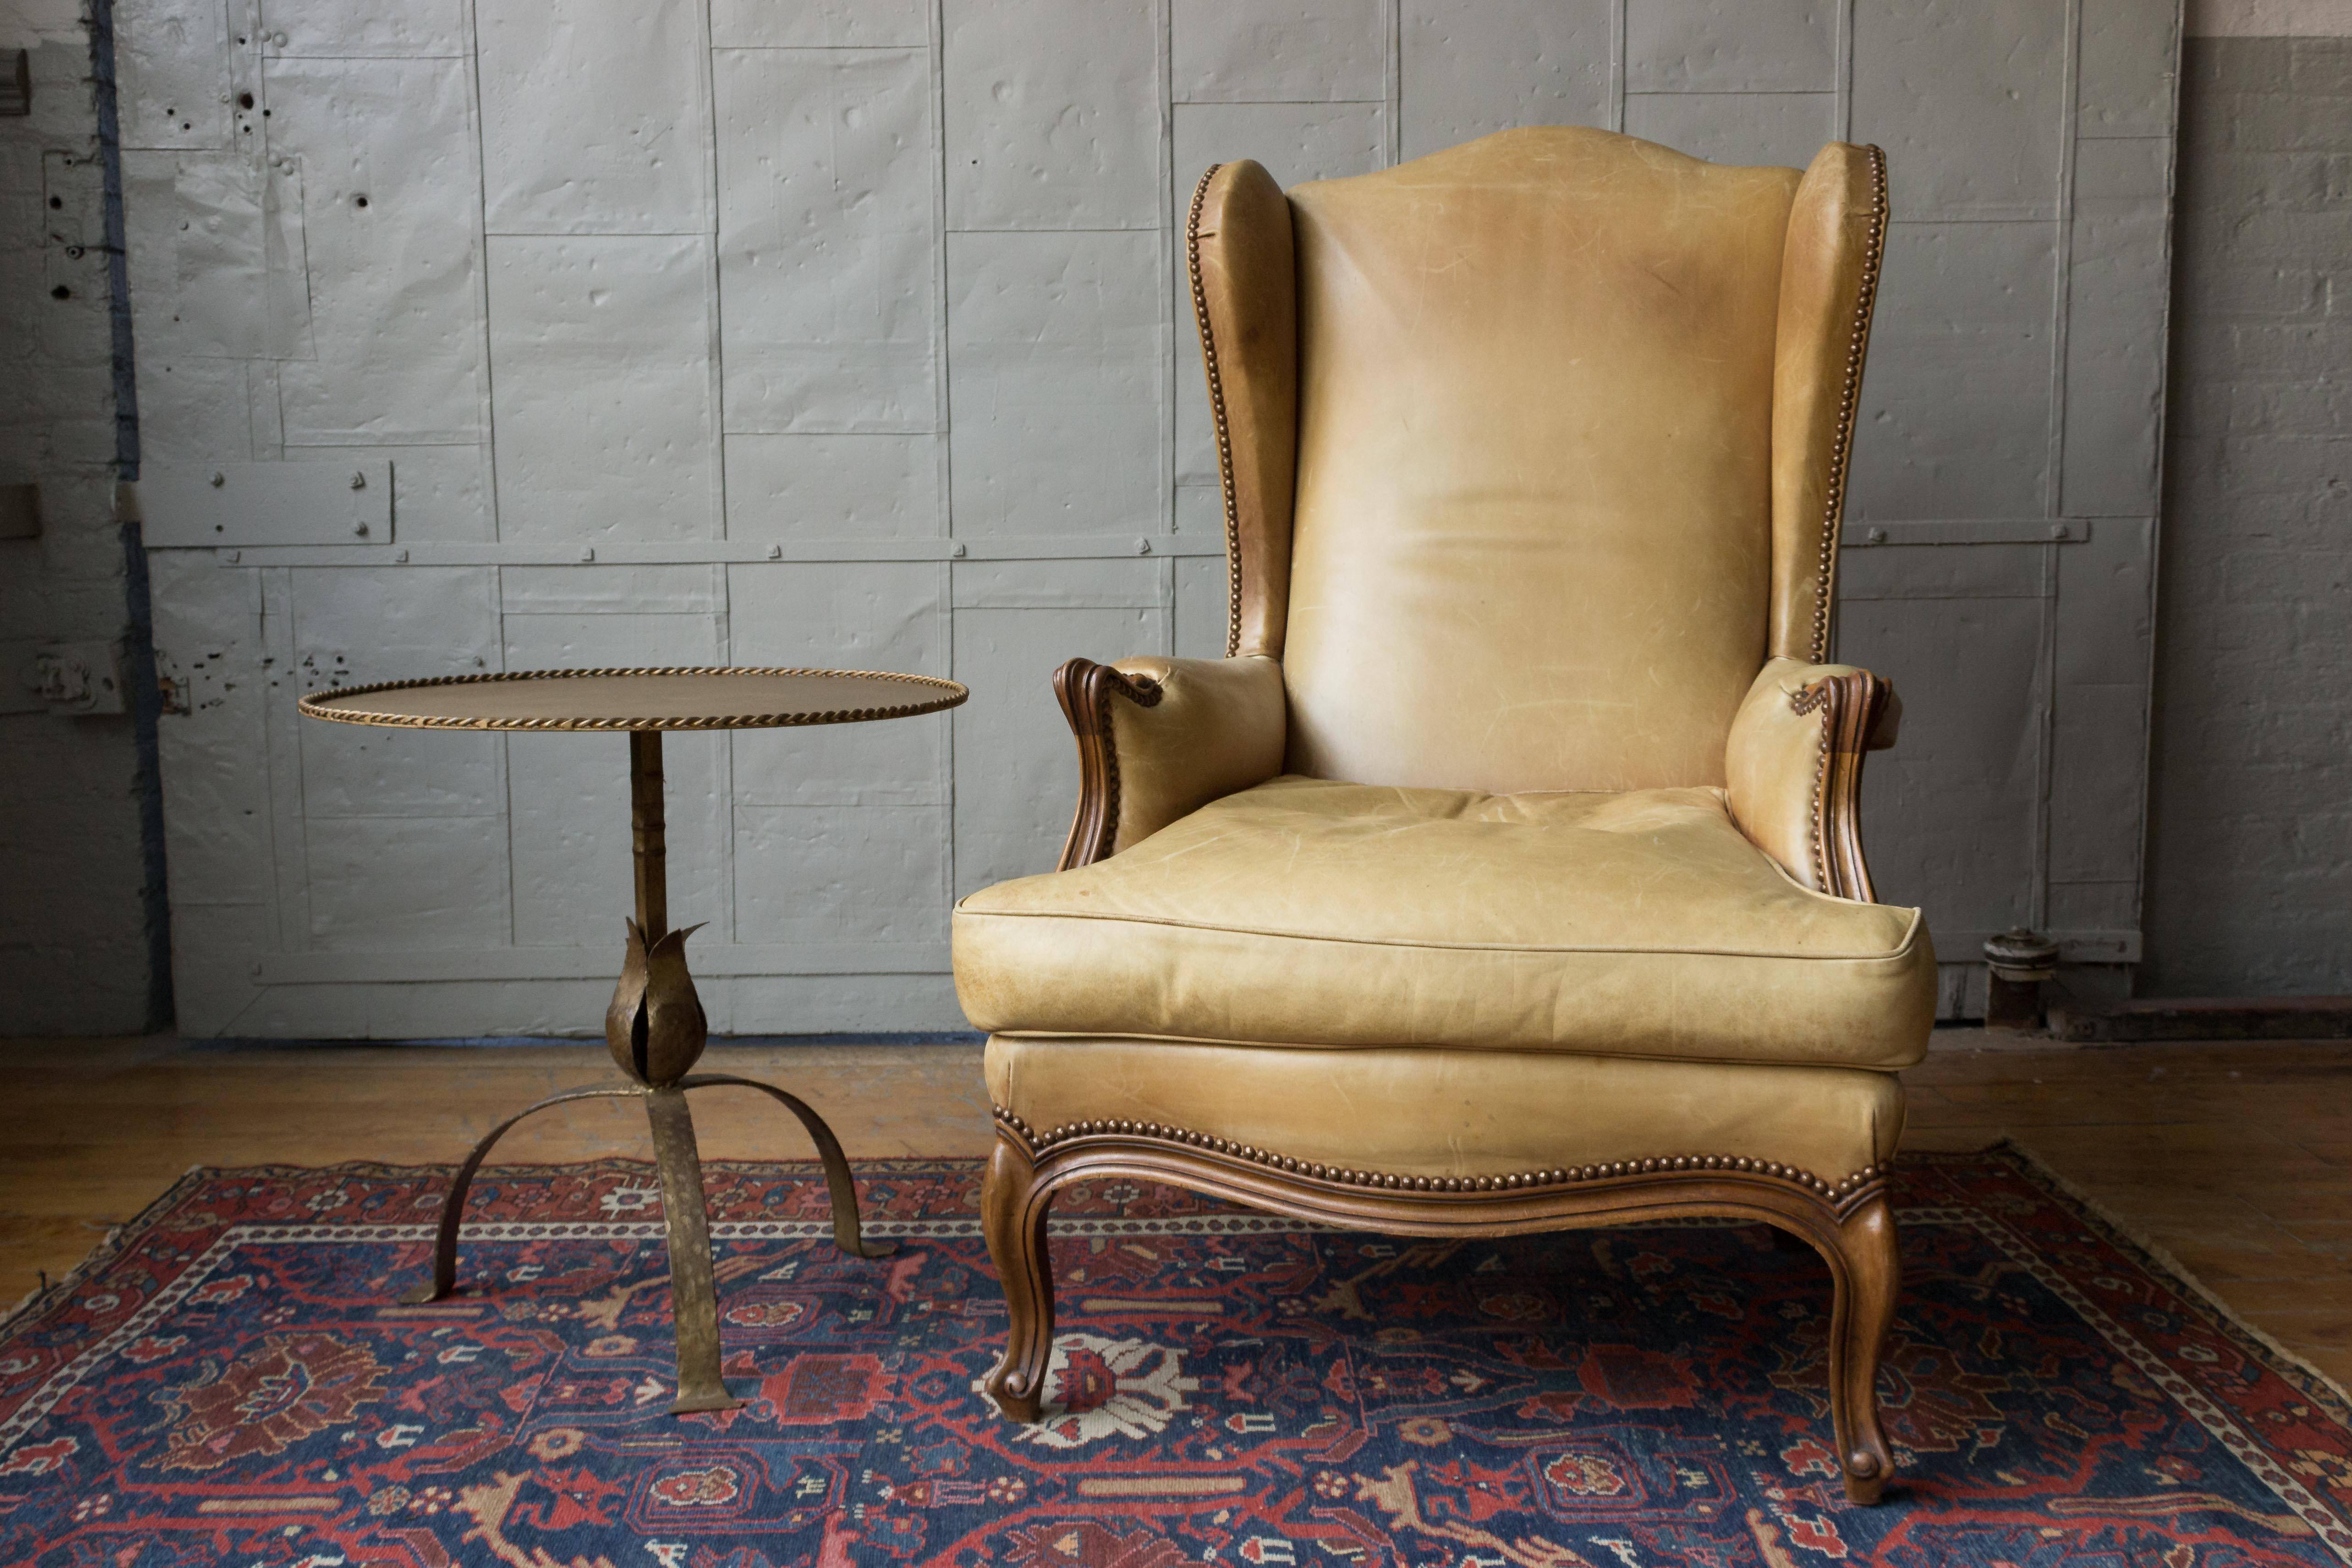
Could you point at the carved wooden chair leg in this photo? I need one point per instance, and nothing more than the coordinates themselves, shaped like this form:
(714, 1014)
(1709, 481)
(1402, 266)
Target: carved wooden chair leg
(453, 1208)
(1013, 1206)
(1869, 1274)
(845, 1232)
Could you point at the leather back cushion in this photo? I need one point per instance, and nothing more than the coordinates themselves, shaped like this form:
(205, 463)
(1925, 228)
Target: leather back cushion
(1533, 537)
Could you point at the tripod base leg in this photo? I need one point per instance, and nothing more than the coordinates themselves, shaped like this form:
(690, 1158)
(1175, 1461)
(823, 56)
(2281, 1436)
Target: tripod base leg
(845, 1232)
(693, 1292)
(453, 1208)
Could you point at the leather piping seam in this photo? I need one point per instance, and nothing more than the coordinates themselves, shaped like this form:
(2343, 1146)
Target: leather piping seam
(1902, 951)
(1217, 416)
(1514, 1182)
(1849, 401)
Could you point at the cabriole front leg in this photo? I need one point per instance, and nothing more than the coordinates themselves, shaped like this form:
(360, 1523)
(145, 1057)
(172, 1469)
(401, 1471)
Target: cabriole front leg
(1869, 1276)
(1013, 1206)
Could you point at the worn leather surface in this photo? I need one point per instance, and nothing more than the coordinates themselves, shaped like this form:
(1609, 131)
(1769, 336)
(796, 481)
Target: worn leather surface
(1217, 728)
(1318, 913)
(1774, 761)
(1532, 545)
(1824, 326)
(1247, 310)
(1455, 1114)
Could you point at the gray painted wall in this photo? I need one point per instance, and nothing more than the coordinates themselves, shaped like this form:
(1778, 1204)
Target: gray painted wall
(856, 334)
(2248, 839)
(74, 953)
(2250, 855)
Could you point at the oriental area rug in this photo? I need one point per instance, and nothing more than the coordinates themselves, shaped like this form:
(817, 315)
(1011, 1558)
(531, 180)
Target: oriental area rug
(231, 1380)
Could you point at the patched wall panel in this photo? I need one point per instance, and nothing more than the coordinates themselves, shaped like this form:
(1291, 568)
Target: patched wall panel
(820, 24)
(225, 275)
(883, 615)
(1956, 403)
(595, 118)
(1057, 356)
(217, 822)
(440, 494)
(334, 29)
(827, 239)
(447, 889)
(1731, 45)
(1970, 100)
(171, 70)
(355, 625)
(1055, 113)
(1287, 51)
(1466, 70)
(599, 360)
(834, 487)
(2128, 80)
(812, 874)
(389, 159)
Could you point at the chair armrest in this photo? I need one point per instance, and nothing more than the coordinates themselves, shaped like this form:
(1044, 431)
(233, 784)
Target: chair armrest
(1793, 768)
(1160, 737)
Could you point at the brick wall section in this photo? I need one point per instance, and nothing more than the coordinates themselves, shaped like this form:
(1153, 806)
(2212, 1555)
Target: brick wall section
(73, 938)
(2250, 863)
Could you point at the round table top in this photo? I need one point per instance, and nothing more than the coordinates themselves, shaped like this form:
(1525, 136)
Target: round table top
(709, 698)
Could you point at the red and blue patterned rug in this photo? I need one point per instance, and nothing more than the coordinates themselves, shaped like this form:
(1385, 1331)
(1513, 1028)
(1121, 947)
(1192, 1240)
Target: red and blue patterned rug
(231, 1381)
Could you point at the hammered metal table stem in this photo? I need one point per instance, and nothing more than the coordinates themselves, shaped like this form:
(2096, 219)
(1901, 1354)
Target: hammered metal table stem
(693, 1298)
(648, 834)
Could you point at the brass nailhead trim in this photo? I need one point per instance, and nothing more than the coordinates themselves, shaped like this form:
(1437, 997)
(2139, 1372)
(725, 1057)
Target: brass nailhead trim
(1849, 401)
(312, 705)
(1813, 699)
(1565, 1175)
(1217, 414)
(1143, 692)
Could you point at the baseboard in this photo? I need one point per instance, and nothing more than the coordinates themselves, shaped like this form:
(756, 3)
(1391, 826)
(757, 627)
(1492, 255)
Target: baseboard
(2204, 1018)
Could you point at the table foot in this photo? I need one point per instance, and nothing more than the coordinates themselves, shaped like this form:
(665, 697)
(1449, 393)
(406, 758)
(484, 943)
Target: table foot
(693, 1292)
(453, 1208)
(846, 1232)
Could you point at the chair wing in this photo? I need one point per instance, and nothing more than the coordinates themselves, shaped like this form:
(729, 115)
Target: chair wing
(1558, 418)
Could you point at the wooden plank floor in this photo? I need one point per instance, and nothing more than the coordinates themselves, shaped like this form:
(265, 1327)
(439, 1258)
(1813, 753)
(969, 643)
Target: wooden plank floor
(2235, 1158)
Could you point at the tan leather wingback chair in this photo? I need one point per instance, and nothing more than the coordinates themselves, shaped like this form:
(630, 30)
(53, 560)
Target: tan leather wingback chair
(1505, 876)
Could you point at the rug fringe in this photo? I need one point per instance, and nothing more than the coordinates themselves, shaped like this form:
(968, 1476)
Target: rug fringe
(2179, 1271)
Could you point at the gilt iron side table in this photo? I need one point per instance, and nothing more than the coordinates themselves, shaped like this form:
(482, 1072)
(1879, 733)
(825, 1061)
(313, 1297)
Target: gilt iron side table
(655, 1026)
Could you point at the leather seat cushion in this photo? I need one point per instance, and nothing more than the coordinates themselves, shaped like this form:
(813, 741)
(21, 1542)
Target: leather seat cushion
(1311, 913)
